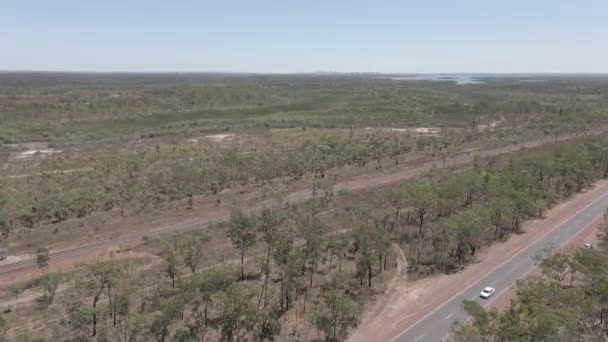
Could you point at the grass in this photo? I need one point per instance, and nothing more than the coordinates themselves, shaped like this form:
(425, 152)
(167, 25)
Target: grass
(79, 108)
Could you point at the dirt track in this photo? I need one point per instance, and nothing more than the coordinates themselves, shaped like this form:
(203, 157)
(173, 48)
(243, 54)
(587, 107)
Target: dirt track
(411, 301)
(69, 257)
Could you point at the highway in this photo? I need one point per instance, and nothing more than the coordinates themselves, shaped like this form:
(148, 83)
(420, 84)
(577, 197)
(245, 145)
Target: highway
(436, 325)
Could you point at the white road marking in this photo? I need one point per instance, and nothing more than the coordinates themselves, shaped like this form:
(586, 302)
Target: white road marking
(418, 338)
(448, 316)
(540, 238)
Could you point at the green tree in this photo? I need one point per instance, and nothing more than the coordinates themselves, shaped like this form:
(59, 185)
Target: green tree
(268, 225)
(79, 319)
(49, 284)
(287, 259)
(313, 234)
(100, 276)
(381, 242)
(366, 256)
(268, 323)
(242, 233)
(172, 262)
(42, 258)
(483, 328)
(238, 312)
(209, 283)
(337, 311)
(336, 247)
(168, 308)
(193, 251)
(423, 198)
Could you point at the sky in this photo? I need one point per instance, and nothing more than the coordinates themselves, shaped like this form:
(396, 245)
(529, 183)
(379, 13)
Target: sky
(284, 36)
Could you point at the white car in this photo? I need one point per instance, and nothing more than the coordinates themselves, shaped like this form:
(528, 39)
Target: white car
(487, 292)
(588, 245)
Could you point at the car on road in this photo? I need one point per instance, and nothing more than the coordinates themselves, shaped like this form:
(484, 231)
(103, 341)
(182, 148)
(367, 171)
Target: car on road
(487, 292)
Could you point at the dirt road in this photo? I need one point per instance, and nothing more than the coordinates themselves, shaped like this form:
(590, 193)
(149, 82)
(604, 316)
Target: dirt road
(71, 256)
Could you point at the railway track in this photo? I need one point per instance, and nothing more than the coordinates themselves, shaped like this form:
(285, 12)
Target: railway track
(295, 197)
(189, 225)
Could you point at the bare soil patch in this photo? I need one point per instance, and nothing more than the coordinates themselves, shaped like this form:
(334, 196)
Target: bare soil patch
(416, 298)
(176, 215)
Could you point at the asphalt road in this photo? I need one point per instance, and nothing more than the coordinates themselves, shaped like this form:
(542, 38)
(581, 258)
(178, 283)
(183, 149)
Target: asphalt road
(437, 324)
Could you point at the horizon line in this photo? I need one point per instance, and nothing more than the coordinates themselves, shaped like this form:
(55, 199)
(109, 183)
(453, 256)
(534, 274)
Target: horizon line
(294, 73)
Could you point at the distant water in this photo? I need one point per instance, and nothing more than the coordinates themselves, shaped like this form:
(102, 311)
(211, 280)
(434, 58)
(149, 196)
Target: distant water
(459, 79)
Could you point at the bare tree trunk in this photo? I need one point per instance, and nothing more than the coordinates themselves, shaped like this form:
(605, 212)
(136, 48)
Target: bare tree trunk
(95, 300)
(395, 220)
(110, 300)
(267, 272)
(242, 264)
(281, 293)
(312, 272)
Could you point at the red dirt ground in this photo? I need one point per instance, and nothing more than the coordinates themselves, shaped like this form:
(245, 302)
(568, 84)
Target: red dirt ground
(111, 225)
(410, 301)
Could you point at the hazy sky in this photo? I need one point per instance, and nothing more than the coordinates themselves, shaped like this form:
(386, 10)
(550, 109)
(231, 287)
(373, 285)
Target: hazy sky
(305, 35)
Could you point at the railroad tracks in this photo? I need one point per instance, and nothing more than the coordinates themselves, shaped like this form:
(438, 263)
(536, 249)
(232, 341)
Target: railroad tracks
(186, 226)
(295, 197)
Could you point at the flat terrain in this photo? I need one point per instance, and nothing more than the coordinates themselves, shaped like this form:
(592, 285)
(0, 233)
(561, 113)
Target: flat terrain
(425, 310)
(332, 204)
(64, 258)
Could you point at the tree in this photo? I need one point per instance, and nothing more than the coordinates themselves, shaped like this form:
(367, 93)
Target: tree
(336, 246)
(238, 313)
(99, 276)
(15, 291)
(268, 324)
(209, 283)
(423, 198)
(128, 322)
(287, 259)
(193, 252)
(242, 234)
(313, 233)
(450, 196)
(79, 318)
(366, 258)
(172, 263)
(471, 225)
(397, 198)
(49, 284)
(168, 309)
(381, 242)
(473, 184)
(484, 325)
(42, 258)
(337, 311)
(268, 224)
(183, 334)
(567, 303)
